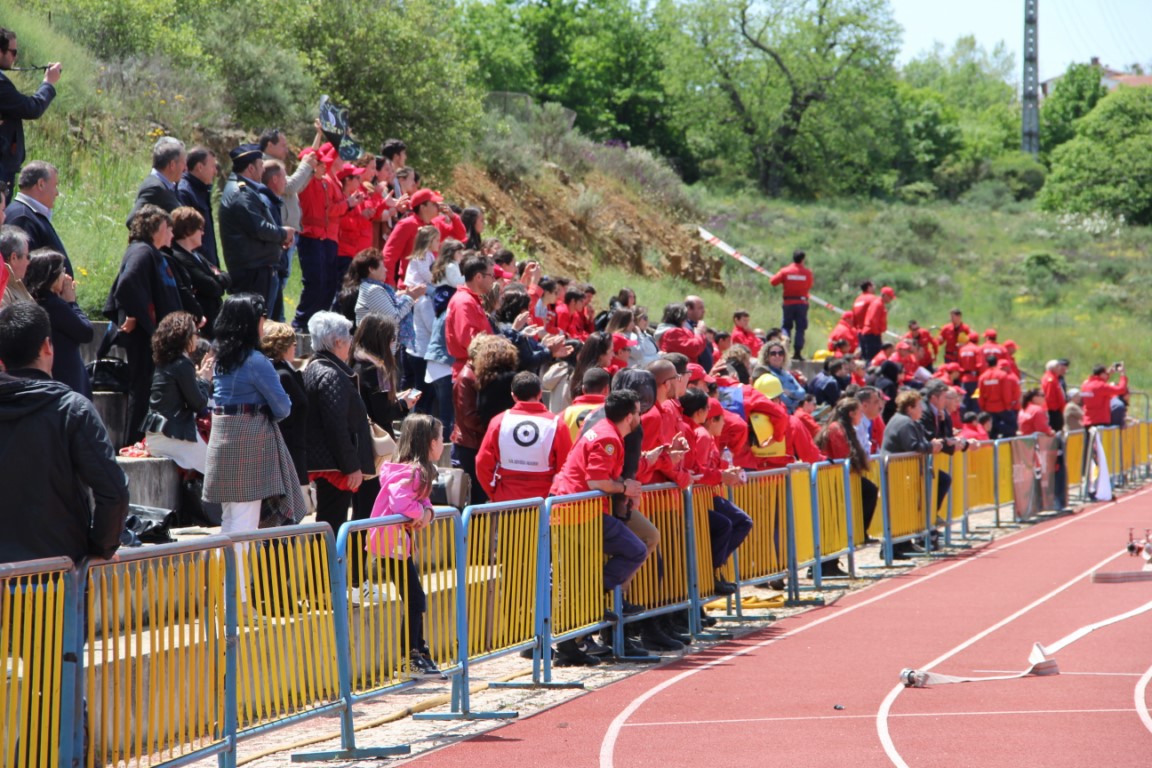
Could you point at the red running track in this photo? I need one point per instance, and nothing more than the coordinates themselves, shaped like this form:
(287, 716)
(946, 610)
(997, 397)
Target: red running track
(769, 699)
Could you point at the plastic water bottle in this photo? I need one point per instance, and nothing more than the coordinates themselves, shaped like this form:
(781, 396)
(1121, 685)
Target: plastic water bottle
(726, 457)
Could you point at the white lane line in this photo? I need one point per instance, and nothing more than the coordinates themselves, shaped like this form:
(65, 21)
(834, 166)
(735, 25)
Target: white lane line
(1062, 673)
(1141, 696)
(608, 744)
(886, 706)
(672, 723)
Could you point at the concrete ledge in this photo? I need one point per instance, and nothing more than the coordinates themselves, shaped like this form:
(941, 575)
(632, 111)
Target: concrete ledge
(152, 482)
(113, 410)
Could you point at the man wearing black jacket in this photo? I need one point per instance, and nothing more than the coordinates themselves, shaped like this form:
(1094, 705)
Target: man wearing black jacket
(55, 450)
(937, 423)
(169, 161)
(249, 236)
(15, 107)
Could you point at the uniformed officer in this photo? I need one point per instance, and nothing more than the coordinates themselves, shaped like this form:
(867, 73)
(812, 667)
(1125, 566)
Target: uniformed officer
(524, 446)
(251, 240)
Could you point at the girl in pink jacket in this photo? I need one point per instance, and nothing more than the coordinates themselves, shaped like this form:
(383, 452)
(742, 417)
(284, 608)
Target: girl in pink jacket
(405, 487)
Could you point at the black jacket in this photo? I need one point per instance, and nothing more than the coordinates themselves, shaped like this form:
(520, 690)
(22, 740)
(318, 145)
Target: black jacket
(176, 397)
(338, 434)
(938, 428)
(196, 194)
(153, 191)
(249, 236)
(53, 449)
(15, 108)
(206, 283)
(70, 329)
(145, 289)
(903, 435)
(294, 427)
(41, 233)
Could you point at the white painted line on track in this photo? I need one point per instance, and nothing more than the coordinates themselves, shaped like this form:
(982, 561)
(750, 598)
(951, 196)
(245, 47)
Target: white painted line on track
(1141, 696)
(886, 705)
(674, 723)
(1062, 673)
(608, 744)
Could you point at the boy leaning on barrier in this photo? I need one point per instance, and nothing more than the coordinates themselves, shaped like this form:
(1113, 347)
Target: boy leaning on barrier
(596, 463)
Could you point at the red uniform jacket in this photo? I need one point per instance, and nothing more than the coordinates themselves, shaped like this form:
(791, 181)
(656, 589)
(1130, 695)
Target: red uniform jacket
(808, 421)
(950, 340)
(684, 341)
(356, 228)
(876, 318)
(1097, 395)
(860, 309)
(504, 484)
(970, 361)
(836, 445)
(734, 437)
(797, 280)
(995, 390)
(398, 246)
(598, 454)
(845, 330)
(974, 431)
(316, 209)
(703, 457)
(570, 323)
(991, 349)
(466, 319)
(1054, 398)
(1034, 419)
(748, 339)
(927, 344)
(661, 425)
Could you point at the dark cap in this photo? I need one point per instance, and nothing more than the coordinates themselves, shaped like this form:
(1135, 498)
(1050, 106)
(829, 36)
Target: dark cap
(244, 155)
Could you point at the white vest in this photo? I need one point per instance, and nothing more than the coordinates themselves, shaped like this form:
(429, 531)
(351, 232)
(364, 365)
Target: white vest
(525, 442)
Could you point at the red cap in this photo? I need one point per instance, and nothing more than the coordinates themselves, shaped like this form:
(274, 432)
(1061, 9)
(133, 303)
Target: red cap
(886, 291)
(847, 316)
(348, 171)
(974, 338)
(696, 372)
(422, 196)
(904, 346)
(990, 334)
(328, 153)
(714, 408)
(620, 341)
(1011, 346)
(305, 152)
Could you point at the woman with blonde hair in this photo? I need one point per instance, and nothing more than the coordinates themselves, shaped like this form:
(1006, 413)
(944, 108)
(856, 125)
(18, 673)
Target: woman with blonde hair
(278, 343)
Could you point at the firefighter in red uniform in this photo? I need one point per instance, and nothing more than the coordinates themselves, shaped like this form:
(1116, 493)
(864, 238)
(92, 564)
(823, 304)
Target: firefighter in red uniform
(524, 447)
(870, 346)
(1055, 397)
(845, 331)
(595, 385)
(797, 444)
(952, 335)
(1097, 394)
(926, 356)
(1000, 396)
(991, 349)
(876, 321)
(797, 283)
(969, 358)
(742, 332)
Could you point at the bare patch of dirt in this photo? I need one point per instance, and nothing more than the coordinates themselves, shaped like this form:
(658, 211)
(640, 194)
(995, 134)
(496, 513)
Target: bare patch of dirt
(571, 226)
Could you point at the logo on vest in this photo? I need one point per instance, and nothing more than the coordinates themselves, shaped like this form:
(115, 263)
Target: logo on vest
(525, 442)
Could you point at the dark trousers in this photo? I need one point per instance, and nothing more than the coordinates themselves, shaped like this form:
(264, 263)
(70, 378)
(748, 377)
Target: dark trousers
(138, 349)
(796, 316)
(1056, 420)
(943, 483)
(315, 273)
(332, 505)
(626, 553)
(414, 370)
(415, 601)
(442, 395)
(870, 344)
(1004, 424)
(261, 281)
(869, 495)
(970, 403)
(728, 526)
(465, 458)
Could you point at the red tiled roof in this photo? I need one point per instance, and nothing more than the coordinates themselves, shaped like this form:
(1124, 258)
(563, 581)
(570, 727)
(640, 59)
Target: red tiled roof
(1135, 80)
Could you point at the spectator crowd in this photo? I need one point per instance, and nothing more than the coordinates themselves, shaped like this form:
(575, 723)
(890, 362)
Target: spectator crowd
(423, 331)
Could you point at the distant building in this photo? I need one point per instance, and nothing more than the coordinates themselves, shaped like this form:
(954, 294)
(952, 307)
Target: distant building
(1109, 78)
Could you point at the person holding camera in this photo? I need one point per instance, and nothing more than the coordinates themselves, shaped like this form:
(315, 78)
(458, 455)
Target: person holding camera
(1097, 393)
(15, 107)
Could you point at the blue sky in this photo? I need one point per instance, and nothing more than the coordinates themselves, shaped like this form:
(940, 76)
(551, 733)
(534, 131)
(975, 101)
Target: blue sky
(1118, 31)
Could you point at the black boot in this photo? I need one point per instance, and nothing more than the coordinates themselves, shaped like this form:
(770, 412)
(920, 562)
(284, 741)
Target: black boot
(654, 638)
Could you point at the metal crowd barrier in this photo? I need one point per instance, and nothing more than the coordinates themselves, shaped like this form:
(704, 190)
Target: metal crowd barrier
(39, 625)
(188, 648)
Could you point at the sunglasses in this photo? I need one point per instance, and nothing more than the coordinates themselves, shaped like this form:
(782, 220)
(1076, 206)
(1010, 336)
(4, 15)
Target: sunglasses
(775, 354)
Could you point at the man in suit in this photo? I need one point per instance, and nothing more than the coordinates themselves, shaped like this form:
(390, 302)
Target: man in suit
(169, 161)
(249, 236)
(195, 191)
(15, 108)
(31, 209)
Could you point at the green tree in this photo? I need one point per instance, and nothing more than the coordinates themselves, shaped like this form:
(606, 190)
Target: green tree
(969, 77)
(927, 132)
(1107, 166)
(1075, 95)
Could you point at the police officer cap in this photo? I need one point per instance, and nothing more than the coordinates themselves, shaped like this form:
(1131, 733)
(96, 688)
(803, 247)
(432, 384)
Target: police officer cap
(244, 155)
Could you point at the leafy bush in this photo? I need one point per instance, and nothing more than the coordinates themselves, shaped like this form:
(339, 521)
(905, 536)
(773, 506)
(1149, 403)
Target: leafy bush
(917, 192)
(1023, 174)
(990, 194)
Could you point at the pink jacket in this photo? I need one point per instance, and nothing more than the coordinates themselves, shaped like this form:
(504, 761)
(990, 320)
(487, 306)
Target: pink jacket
(397, 497)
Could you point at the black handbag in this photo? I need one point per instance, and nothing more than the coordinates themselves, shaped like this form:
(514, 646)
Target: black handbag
(109, 375)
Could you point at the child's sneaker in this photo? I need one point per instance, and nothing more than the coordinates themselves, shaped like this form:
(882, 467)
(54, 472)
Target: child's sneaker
(422, 663)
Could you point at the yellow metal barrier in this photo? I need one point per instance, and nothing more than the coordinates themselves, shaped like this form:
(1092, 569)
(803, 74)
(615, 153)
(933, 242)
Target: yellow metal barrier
(979, 477)
(663, 579)
(705, 568)
(434, 549)
(905, 503)
(577, 534)
(287, 635)
(953, 464)
(1110, 440)
(1005, 476)
(155, 653)
(32, 627)
(876, 530)
(765, 552)
(832, 506)
(1074, 447)
(502, 567)
(799, 476)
